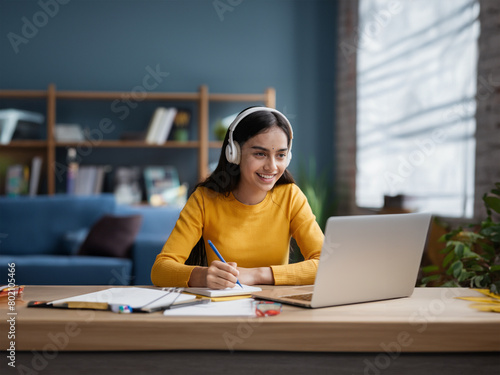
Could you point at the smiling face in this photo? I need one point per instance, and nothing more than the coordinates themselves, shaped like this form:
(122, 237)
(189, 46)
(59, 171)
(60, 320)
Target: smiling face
(263, 161)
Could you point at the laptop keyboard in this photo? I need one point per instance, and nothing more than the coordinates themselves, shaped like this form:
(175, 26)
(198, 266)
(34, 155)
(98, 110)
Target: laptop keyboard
(301, 297)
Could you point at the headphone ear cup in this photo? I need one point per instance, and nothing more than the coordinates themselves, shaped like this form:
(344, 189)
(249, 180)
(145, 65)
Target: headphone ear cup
(288, 158)
(237, 153)
(233, 153)
(229, 153)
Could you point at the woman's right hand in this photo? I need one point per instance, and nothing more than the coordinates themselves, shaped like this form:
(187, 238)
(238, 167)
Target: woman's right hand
(221, 275)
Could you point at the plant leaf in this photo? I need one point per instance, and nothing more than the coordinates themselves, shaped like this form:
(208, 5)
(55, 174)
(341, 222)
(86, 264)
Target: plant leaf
(447, 249)
(459, 250)
(471, 254)
(477, 281)
(427, 279)
(431, 268)
(495, 287)
(464, 275)
(447, 259)
(487, 248)
(476, 267)
(493, 203)
(495, 268)
(456, 268)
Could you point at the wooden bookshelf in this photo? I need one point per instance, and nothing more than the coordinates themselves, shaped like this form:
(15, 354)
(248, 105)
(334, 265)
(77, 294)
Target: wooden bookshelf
(202, 99)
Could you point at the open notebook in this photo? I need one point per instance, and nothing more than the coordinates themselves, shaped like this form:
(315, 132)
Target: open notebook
(147, 299)
(228, 292)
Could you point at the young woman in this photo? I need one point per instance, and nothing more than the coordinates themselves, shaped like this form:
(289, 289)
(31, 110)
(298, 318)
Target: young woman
(249, 207)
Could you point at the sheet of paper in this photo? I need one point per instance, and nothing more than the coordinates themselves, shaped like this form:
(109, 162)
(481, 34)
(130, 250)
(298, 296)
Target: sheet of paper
(236, 291)
(132, 296)
(241, 307)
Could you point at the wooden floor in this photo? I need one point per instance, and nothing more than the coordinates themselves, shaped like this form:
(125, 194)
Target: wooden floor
(243, 363)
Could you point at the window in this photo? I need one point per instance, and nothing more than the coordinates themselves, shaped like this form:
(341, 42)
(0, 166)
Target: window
(416, 87)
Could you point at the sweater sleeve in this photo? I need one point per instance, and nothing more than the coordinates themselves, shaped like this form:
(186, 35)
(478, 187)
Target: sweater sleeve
(169, 268)
(309, 237)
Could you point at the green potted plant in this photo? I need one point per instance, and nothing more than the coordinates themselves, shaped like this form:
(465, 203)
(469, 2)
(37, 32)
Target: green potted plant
(220, 130)
(472, 255)
(318, 191)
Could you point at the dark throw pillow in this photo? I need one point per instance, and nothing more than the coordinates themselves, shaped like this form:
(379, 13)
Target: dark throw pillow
(112, 236)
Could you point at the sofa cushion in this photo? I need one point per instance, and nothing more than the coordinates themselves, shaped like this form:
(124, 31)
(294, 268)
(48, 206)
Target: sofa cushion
(72, 240)
(112, 236)
(67, 270)
(157, 224)
(35, 225)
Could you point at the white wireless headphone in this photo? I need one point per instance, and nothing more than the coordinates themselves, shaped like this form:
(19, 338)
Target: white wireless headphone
(233, 149)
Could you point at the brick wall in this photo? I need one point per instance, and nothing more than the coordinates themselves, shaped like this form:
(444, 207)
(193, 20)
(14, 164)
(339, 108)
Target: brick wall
(345, 134)
(487, 170)
(488, 104)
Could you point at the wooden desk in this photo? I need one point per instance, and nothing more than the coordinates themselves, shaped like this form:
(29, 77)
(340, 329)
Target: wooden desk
(431, 321)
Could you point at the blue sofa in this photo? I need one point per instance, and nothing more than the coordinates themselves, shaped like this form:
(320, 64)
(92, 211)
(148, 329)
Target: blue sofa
(41, 234)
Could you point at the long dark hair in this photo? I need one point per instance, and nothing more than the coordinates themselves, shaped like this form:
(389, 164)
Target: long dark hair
(226, 176)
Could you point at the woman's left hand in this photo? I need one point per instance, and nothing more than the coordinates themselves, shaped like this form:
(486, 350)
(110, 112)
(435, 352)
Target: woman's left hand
(256, 276)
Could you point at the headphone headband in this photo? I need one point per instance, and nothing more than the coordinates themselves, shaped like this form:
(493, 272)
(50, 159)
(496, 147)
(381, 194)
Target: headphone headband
(233, 152)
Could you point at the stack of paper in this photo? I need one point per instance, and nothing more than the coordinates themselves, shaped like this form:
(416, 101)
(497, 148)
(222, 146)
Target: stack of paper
(228, 292)
(241, 307)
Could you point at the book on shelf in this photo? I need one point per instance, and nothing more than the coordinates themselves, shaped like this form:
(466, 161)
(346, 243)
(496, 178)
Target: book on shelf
(154, 124)
(90, 179)
(20, 124)
(17, 179)
(36, 167)
(23, 179)
(69, 133)
(160, 125)
(127, 185)
(163, 186)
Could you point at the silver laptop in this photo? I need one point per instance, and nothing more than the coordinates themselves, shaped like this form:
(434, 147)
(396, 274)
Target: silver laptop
(364, 258)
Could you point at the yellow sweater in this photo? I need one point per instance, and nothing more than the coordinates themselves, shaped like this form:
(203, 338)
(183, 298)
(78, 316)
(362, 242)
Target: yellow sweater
(250, 235)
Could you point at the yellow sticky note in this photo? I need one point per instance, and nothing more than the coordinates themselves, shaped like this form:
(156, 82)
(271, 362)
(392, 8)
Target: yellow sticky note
(480, 299)
(486, 307)
(486, 292)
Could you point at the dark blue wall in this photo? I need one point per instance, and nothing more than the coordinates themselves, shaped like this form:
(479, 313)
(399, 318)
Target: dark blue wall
(107, 45)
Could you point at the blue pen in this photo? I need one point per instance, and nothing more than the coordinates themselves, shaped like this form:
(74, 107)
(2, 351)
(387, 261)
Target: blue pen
(220, 257)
